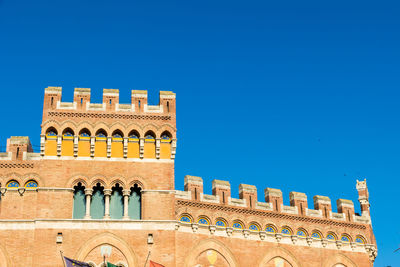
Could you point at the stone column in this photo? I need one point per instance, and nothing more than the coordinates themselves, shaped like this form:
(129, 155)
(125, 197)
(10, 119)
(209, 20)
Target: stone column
(92, 141)
(158, 145)
(125, 147)
(76, 140)
(109, 147)
(126, 193)
(173, 148)
(88, 194)
(107, 195)
(141, 149)
(42, 144)
(59, 140)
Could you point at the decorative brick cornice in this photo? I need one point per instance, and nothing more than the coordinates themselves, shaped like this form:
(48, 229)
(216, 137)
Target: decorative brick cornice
(16, 165)
(270, 214)
(107, 116)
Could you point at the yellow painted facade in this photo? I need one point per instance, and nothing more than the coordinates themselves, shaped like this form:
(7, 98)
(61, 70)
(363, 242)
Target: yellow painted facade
(50, 148)
(84, 147)
(117, 148)
(100, 147)
(67, 146)
(133, 148)
(165, 149)
(149, 149)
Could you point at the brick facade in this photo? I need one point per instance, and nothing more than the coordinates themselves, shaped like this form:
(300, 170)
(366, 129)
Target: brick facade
(176, 228)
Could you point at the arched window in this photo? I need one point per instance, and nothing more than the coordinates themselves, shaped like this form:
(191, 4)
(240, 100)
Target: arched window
(97, 206)
(116, 203)
(331, 236)
(185, 218)
(165, 146)
(220, 222)
(12, 184)
(203, 220)
(84, 143)
(135, 203)
(345, 238)
(31, 184)
(117, 145)
(316, 235)
(67, 145)
(360, 240)
(79, 202)
(237, 225)
(150, 145)
(270, 229)
(286, 231)
(301, 233)
(50, 148)
(133, 144)
(100, 147)
(254, 227)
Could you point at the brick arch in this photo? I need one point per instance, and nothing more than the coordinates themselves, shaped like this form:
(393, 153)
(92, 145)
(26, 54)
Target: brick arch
(118, 126)
(102, 126)
(339, 258)
(111, 240)
(137, 180)
(32, 176)
(280, 252)
(85, 125)
(166, 128)
(149, 127)
(12, 176)
(98, 179)
(51, 123)
(210, 244)
(117, 180)
(134, 127)
(74, 180)
(4, 258)
(69, 124)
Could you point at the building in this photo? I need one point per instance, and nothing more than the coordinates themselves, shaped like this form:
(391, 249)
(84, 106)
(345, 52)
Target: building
(105, 177)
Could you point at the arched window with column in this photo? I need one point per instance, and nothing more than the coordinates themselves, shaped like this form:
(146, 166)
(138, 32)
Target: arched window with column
(150, 145)
(117, 144)
(135, 202)
(67, 143)
(116, 202)
(84, 143)
(165, 146)
(97, 205)
(50, 148)
(79, 202)
(100, 147)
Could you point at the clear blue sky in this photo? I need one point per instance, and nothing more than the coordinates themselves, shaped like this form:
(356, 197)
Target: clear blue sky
(297, 95)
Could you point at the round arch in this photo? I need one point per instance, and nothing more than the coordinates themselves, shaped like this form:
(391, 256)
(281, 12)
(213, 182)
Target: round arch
(111, 240)
(210, 245)
(278, 252)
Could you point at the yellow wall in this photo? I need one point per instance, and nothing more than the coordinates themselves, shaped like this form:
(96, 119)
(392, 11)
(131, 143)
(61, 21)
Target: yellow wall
(67, 146)
(117, 148)
(84, 147)
(100, 147)
(165, 149)
(133, 149)
(50, 147)
(149, 149)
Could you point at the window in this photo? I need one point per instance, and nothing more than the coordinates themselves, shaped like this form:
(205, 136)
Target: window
(286, 231)
(97, 206)
(203, 221)
(12, 184)
(254, 227)
(79, 202)
(135, 202)
(31, 184)
(185, 218)
(220, 223)
(270, 229)
(237, 225)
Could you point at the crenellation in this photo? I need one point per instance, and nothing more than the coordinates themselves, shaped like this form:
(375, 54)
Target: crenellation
(324, 204)
(249, 193)
(275, 197)
(299, 200)
(195, 185)
(237, 202)
(346, 207)
(222, 189)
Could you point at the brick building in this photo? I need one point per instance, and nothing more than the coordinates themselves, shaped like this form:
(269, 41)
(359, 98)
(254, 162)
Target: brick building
(105, 177)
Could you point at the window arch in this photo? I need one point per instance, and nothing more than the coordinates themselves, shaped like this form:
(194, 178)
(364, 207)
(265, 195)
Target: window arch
(84, 143)
(117, 145)
(254, 227)
(203, 220)
(50, 147)
(12, 184)
(117, 134)
(302, 232)
(100, 147)
(186, 218)
(286, 231)
(97, 206)
(135, 203)
(345, 238)
(150, 145)
(237, 225)
(68, 132)
(331, 236)
(270, 229)
(67, 144)
(360, 239)
(220, 222)
(31, 184)
(133, 144)
(116, 202)
(165, 146)
(79, 207)
(316, 234)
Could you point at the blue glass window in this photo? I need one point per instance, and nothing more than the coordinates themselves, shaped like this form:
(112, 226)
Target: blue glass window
(220, 223)
(285, 231)
(270, 229)
(51, 133)
(301, 233)
(84, 134)
(100, 135)
(330, 237)
(68, 134)
(345, 239)
(13, 184)
(149, 136)
(31, 184)
(237, 225)
(203, 221)
(254, 227)
(359, 240)
(117, 136)
(316, 235)
(186, 219)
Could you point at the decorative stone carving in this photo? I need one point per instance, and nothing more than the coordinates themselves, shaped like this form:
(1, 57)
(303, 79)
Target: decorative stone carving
(195, 227)
(212, 229)
(21, 190)
(246, 233)
(262, 235)
(278, 237)
(339, 244)
(309, 240)
(294, 239)
(324, 242)
(229, 231)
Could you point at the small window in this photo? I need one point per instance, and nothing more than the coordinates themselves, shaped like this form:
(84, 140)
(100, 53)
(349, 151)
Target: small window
(31, 184)
(270, 229)
(185, 219)
(316, 235)
(12, 184)
(203, 221)
(345, 238)
(286, 231)
(301, 233)
(237, 225)
(331, 236)
(360, 240)
(254, 227)
(220, 223)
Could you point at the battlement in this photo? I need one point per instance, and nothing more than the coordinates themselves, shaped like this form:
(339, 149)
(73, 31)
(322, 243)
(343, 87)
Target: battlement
(110, 103)
(221, 195)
